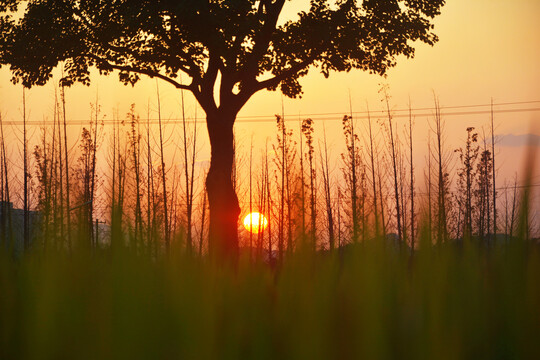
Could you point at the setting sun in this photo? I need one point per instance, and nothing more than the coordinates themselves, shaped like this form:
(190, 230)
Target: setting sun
(255, 222)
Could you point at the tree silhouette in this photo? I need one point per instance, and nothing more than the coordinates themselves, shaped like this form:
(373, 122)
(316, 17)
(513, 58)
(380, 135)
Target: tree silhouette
(238, 47)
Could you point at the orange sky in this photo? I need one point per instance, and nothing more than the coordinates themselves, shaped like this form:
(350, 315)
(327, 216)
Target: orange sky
(487, 48)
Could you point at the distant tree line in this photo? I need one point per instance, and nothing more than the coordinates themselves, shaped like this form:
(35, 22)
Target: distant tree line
(133, 198)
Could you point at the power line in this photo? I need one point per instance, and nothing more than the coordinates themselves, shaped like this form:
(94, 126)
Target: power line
(406, 115)
(371, 112)
(498, 189)
(330, 116)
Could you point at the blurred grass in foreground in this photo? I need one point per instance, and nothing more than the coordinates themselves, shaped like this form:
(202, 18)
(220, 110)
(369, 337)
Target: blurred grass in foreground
(447, 302)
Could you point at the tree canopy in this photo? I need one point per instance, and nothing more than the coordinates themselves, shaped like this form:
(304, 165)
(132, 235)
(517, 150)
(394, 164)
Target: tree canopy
(242, 40)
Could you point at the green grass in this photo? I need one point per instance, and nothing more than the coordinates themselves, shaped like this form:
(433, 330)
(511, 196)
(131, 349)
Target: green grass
(447, 302)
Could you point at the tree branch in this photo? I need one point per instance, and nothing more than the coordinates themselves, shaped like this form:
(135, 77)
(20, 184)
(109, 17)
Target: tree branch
(263, 38)
(272, 82)
(185, 66)
(147, 72)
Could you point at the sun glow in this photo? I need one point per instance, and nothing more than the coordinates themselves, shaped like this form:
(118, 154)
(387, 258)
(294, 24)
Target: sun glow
(255, 222)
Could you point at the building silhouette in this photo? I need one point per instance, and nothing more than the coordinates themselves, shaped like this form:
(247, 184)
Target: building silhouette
(12, 227)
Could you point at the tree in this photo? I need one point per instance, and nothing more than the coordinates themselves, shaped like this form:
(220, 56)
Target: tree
(394, 155)
(325, 165)
(307, 130)
(442, 159)
(352, 172)
(411, 164)
(467, 158)
(494, 192)
(26, 175)
(286, 148)
(483, 192)
(236, 46)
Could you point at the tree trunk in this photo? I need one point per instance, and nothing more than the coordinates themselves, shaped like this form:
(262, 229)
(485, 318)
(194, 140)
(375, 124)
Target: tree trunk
(222, 199)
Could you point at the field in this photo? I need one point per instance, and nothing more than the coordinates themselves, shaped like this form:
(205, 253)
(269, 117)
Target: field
(366, 301)
(109, 256)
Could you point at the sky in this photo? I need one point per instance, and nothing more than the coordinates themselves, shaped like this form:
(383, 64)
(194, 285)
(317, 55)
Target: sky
(488, 49)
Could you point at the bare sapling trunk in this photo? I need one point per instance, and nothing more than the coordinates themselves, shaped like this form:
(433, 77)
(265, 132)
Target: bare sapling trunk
(269, 202)
(403, 200)
(261, 195)
(121, 178)
(66, 159)
(114, 239)
(93, 175)
(363, 199)
(150, 209)
(394, 155)
(350, 169)
(302, 185)
(42, 160)
(505, 212)
(486, 162)
(7, 224)
(373, 178)
(84, 173)
(339, 219)
(135, 153)
(163, 177)
(51, 186)
(118, 188)
(189, 173)
(494, 193)
(283, 168)
(173, 206)
(115, 234)
(514, 207)
(411, 164)
(327, 192)
(468, 157)
(307, 129)
(189, 240)
(381, 197)
(262, 205)
(60, 170)
(290, 154)
(353, 170)
(429, 187)
(284, 163)
(442, 190)
(3, 205)
(26, 206)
